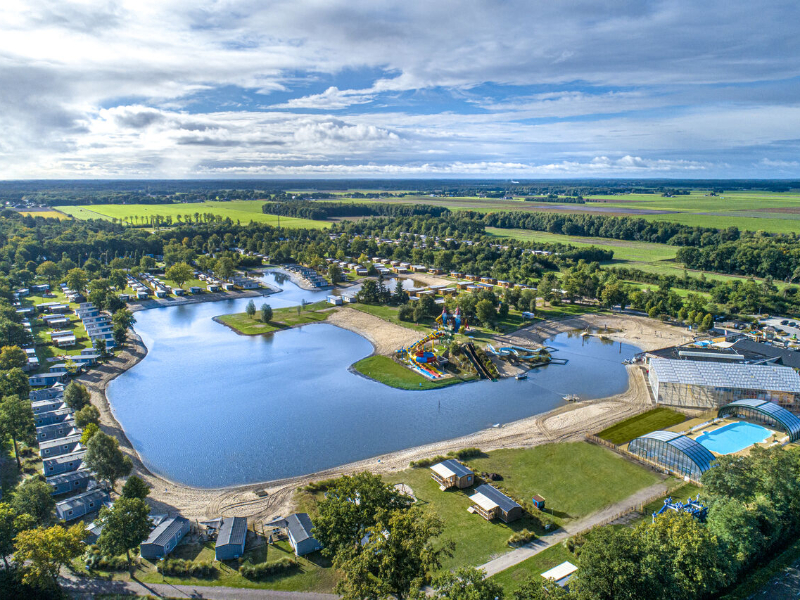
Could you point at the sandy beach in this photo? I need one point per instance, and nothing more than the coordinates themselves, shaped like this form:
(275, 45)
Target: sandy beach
(566, 423)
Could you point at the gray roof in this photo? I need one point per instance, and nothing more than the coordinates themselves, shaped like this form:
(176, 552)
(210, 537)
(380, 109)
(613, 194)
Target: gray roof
(788, 358)
(70, 440)
(164, 532)
(456, 467)
(699, 454)
(504, 502)
(299, 526)
(99, 496)
(65, 458)
(78, 475)
(723, 375)
(233, 531)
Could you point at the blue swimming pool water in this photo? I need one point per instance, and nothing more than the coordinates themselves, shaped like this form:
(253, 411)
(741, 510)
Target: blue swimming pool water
(734, 437)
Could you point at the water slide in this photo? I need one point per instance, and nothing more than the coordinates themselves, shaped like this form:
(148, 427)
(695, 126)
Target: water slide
(469, 350)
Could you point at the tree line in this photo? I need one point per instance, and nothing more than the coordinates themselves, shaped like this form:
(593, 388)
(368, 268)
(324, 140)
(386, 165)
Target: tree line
(320, 211)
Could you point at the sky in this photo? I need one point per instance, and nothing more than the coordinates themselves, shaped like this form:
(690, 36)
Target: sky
(392, 89)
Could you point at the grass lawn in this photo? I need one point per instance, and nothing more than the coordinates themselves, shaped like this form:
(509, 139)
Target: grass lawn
(625, 431)
(511, 579)
(314, 573)
(282, 318)
(47, 214)
(575, 479)
(389, 313)
(476, 540)
(243, 211)
(385, 370)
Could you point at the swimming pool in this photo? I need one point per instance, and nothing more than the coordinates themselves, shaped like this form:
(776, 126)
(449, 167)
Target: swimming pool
(733, 437)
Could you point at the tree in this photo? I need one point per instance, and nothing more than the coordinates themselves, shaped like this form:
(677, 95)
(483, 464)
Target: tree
(14, 382)
(34, 497)
(466, 583)
(266, 313)
(49, 270)
(400, 295)
(104, 457)
(147, 263)
(13, 334)
(180, 273)
(12, 357)
(135, 487)
(100, 347)
(16, 420)
(123, 318)
(731, 476)
(11, 524)
(250, 309)
(76, 396)
(398, 556)
(342, 522)
(707, 323)
(224, 268)
(485, 312)
(737, 528)
(537, 588)
(125, 525)
(87, 415)
(89, 432)
(334, 273)
(43, 552)
(77, 280)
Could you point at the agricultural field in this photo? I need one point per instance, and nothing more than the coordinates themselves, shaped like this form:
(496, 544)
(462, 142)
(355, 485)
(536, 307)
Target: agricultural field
(243, 211)
(751, 210)
(46, 213)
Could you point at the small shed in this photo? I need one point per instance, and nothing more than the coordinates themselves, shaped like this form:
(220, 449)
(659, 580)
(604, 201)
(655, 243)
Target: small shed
(76, 481)
(299, 528)
(538, 502)
(163, 539)
(335, 300)
(195, 289)
(81, 505)
(451, 473)
(491, 503)
(561, 574)
(231, 539)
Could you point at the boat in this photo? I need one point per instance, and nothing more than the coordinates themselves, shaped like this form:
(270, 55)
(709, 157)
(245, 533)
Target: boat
(572, 398)
(521, 376)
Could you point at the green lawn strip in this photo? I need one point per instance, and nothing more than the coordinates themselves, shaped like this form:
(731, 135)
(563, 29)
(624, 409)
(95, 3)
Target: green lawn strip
(476, 540)
(575, 479)
(314, 573)
(652, 420)
(511, 579)
(389, 313)
(282, 318)
(386, 371)
(565, 311)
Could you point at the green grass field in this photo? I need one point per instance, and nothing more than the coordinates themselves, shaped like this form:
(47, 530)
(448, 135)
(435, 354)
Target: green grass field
(652, 420)
(511, 579)
(282, 318)
(385, 370)
(575, 479)
(243, 211)
(47, 214)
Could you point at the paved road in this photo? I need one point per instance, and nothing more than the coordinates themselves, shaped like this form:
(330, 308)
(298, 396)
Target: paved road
(510, 559)
(88, 588)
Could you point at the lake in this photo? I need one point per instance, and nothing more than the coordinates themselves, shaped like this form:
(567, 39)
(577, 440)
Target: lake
(210, 408)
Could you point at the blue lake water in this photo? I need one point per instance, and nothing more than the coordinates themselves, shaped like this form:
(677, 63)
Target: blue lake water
(734, 437)
(210, 408)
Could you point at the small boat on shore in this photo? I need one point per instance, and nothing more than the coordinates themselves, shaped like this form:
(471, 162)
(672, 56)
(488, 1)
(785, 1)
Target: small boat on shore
(572, 398)
(521, 376)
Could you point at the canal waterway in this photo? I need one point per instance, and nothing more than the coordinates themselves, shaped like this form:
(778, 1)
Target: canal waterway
(209, 408)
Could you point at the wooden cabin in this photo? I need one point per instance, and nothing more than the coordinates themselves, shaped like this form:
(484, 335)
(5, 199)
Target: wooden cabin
(451, 473)
(491, 503)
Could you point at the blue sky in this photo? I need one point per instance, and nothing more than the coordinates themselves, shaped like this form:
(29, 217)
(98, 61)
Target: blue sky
(249, 88)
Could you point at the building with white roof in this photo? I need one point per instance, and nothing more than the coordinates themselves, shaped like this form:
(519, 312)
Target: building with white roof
(704, 384)
(561, 574)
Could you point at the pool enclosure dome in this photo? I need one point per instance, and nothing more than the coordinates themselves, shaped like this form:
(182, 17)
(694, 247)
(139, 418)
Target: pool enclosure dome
(764, 411)
(673, 451)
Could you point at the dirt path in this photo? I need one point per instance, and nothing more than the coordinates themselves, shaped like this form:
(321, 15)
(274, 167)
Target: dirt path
(510, 559)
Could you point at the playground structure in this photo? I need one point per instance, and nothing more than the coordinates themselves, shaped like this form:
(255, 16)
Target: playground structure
(425, 363)
(691, 506)
(456, 322)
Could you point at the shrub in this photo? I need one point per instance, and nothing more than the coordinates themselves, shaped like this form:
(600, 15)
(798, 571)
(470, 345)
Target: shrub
(521, 537)
(426, 462)
(264, 570)
(321, 486)
(466, 453)
(96, 561)
(186, 568)
(405, 312)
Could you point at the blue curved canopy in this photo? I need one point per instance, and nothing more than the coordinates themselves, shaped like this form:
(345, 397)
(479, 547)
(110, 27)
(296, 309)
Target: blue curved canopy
(674, 451)
(769, 411)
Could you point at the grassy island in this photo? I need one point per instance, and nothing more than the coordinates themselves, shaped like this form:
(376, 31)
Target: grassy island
(282, 318)
(386, 371)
